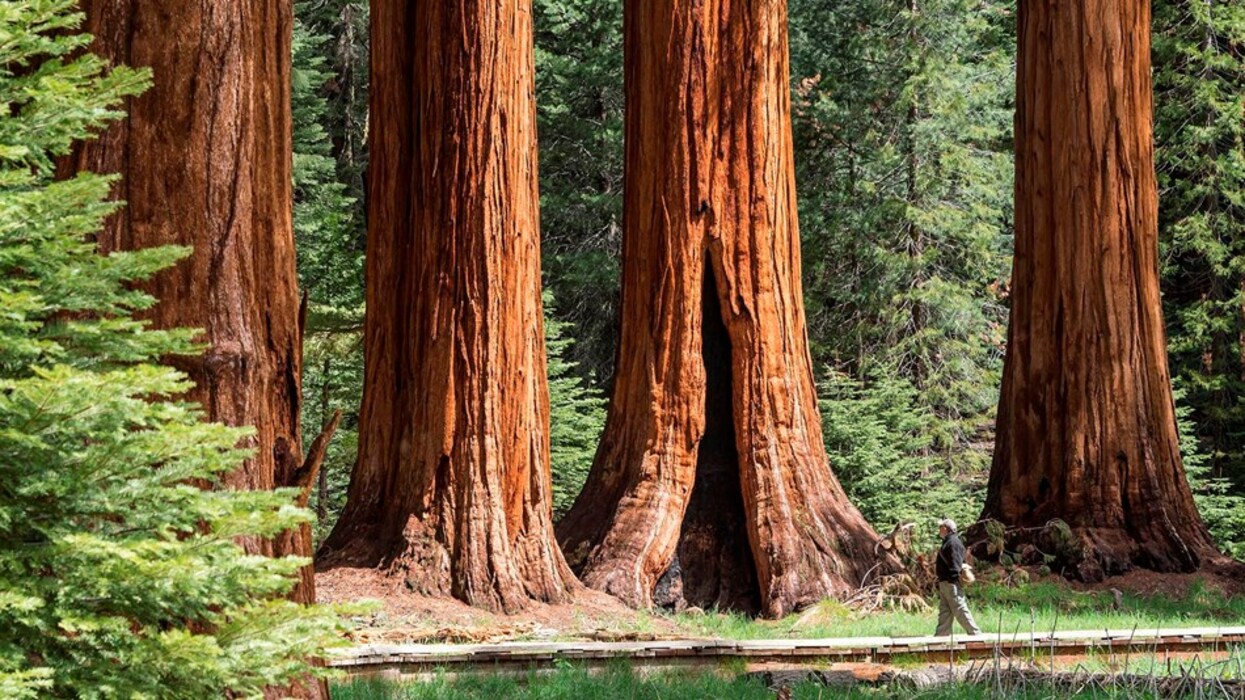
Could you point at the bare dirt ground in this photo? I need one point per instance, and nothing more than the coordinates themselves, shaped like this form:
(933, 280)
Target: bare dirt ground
(1227, 577)
(407, 617)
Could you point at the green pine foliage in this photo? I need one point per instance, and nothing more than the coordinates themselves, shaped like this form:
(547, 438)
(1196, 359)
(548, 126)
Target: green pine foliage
(878, 435)
(1221, 506)
(1199, 61)
(329, 226)
(332, 380)
(576, 417)
(119, 576)
(902, 118)
(340, 29)
(579, 101)
(329, 244)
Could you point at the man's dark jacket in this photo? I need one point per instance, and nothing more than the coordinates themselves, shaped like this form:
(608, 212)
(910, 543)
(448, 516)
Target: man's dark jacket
(950, 559)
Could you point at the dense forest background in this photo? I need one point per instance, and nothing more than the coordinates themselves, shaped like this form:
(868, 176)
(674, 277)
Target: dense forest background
(903, 136)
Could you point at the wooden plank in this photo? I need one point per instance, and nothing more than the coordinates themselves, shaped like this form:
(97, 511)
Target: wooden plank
(380, 655)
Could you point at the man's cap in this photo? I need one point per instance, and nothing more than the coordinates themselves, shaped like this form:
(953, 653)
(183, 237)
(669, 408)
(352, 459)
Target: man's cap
(947, 523)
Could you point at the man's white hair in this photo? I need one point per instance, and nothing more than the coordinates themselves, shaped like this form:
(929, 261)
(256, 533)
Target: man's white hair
(947, 523)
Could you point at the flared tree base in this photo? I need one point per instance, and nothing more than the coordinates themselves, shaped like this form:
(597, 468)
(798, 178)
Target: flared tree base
(418, 556)
(1090, 554)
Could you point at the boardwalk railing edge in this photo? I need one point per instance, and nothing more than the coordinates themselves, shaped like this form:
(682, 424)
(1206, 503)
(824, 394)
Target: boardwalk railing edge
(846, 648)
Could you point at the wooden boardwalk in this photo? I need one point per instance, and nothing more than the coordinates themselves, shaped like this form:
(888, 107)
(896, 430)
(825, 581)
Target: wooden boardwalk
(404, 659)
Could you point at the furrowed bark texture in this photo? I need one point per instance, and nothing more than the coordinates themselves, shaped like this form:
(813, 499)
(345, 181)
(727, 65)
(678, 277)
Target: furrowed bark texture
(713, 414)
(452, 487)
(205, 159)
(1086, 426)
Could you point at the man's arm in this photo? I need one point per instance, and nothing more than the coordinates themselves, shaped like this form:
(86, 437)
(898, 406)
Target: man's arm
(956, 560)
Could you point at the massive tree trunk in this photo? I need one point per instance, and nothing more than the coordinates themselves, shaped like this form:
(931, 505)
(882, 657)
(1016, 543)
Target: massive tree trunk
(452, 487)
(713, 447)
(205, 161)
(1086, 426)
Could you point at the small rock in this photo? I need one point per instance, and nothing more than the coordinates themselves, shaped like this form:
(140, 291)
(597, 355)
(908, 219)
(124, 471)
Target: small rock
(1089, 571)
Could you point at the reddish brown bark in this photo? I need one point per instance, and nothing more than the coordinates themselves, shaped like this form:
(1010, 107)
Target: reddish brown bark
(713, 444)
(205, 161)
(452, 487)
(1086, 428)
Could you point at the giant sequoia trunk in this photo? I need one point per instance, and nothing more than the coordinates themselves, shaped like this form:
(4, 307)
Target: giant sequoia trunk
(205, 161)
(1086, 428)
(452, 488)
(713, 448)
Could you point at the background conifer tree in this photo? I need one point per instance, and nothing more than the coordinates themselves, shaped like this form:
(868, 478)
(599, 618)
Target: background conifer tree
(576, 415)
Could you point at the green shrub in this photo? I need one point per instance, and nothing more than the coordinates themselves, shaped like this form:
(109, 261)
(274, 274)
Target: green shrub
(1221, 507)
(576, 417)
(878, 440)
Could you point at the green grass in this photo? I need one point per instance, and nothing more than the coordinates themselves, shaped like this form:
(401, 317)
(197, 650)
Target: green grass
(1038, 607)
(1150, 664)
(620, 683)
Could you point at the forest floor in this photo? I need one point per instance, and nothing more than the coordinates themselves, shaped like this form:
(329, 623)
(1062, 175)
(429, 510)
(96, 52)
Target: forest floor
(408, 617)
(1000, 602)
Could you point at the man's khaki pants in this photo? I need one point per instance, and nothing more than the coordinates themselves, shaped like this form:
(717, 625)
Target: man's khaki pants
(953, 604)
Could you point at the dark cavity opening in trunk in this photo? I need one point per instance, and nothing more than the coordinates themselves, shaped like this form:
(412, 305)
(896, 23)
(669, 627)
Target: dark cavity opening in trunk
(713, 565)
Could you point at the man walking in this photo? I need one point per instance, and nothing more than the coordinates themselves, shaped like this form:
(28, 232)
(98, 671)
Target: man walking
(951, 600)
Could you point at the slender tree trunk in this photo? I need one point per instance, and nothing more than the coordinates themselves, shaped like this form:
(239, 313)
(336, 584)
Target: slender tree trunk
(1086, 429)
(713, 447)
(322, 485)
(452, 488)
(919, 369)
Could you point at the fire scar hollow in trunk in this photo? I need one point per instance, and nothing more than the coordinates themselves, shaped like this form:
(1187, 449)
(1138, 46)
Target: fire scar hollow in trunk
(713, 562)
(713, 447)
